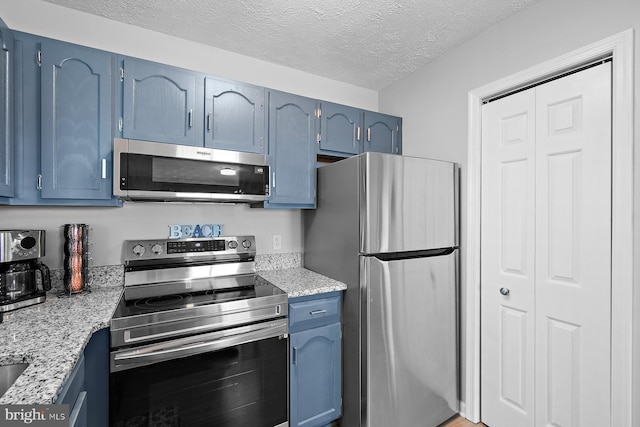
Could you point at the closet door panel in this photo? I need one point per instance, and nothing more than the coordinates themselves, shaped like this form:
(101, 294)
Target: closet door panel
(507, 273)
(573, 250)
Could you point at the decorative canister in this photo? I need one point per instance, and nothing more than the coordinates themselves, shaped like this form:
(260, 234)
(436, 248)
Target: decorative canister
(76, 257)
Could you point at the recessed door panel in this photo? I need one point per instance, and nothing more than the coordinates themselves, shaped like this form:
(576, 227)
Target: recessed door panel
(564, 194)
(513, 358)
(513, 217)
(564, 374)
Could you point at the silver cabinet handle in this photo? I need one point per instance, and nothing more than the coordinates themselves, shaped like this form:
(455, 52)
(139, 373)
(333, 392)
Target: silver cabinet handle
(314, 312)
(191, 118)
(368, 134)
(104, 168)
(504, 291)
(209, 122)
(358, 134)
(295, 355)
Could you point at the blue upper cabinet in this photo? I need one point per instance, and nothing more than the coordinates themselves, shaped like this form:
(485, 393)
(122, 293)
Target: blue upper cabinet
(64, 122)
(6, 113)
(161, 103)
(76, 91)
(382, 133)
(341, 130)
(293, 132)
(234, 116)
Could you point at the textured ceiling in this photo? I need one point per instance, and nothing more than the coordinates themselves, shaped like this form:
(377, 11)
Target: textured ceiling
(366, 43)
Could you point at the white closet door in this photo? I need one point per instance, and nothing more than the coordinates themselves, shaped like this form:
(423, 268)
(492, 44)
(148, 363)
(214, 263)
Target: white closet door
(546, 239)
(508, 246)
(573, 250)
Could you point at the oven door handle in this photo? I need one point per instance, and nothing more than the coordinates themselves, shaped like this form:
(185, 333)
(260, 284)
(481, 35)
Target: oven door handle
(182, 347)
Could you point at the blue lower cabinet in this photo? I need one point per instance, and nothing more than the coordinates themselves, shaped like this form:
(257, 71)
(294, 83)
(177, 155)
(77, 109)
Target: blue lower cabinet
(315, 362)
(96, 356)
(73, 392)
(78, 413)
(86, 391)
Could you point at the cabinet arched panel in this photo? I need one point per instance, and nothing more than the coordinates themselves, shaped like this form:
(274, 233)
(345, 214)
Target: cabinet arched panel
(234, 116)
(76, 118)
(341, 131)
(292, 151)
(316, 376)
(381, 133)
(159, 104)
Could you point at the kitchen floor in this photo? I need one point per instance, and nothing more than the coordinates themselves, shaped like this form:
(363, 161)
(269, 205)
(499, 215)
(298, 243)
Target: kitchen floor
(461, 422)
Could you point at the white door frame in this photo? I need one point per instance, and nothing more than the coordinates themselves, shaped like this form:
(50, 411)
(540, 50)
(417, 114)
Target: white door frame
(620, 46)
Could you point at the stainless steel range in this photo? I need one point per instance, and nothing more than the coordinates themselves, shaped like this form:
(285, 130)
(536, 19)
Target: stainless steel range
(198, 339)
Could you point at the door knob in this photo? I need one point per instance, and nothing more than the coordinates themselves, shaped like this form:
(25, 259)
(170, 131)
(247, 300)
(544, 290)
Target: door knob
(504, 291)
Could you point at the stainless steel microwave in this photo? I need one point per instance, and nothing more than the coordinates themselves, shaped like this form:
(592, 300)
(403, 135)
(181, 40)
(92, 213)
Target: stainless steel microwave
(153, 171)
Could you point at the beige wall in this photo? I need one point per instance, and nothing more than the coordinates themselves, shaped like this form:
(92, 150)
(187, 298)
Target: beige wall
(433, 101)
(113, 225)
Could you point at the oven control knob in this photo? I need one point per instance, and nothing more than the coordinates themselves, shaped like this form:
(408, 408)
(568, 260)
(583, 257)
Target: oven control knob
(138, 250)
(246, 244)
(233, 244)
(156, 249)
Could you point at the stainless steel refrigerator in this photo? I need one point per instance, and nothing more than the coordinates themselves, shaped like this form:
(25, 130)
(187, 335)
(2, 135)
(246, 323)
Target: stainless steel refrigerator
(387, 226)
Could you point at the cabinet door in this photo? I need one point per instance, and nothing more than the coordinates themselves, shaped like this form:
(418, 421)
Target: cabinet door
(76, 85)
(6, 122)
(381, 133)
(234, 116)
(341, 130)
(161, 103)
(316, 391)
(96, 356)
(293, 128)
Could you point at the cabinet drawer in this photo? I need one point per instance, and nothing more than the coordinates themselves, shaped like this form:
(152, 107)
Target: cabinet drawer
(314, 313)
(73, 386)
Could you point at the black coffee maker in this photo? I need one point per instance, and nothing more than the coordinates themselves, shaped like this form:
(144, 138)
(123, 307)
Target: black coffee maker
(24, 280)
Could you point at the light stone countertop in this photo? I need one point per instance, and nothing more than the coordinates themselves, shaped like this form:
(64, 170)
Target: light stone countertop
(51, 336)
(299, 282)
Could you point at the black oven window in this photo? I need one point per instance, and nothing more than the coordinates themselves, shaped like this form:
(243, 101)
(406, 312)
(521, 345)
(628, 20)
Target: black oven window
(242, 386)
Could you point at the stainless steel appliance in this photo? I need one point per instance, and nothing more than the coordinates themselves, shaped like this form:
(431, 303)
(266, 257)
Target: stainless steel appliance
(198, 338)
(152, 171)
(386, 226)
(24, 280)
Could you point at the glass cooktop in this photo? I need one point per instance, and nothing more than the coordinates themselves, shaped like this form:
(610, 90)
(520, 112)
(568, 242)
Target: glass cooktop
(259, 288)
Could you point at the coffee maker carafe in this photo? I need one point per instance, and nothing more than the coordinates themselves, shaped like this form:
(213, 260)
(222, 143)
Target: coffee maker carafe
(24, 280)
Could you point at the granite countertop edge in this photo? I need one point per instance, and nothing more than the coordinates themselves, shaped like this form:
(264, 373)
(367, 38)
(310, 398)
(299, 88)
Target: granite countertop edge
(51, 336)
(300, 282)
